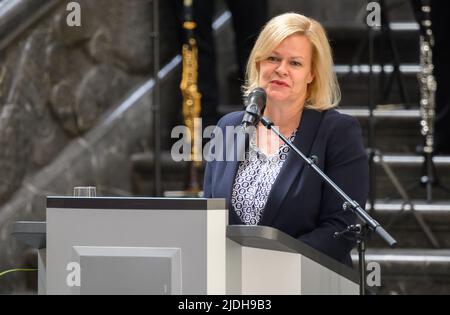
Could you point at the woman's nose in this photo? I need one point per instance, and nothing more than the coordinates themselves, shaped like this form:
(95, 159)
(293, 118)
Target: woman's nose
(281, 69)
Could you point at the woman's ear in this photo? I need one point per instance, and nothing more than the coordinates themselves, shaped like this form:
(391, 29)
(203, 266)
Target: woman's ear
(311, 77)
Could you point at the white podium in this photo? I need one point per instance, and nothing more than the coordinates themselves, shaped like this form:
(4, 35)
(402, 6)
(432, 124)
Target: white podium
(171, 246)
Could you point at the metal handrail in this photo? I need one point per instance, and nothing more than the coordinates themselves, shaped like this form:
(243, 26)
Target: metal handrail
(17, 15)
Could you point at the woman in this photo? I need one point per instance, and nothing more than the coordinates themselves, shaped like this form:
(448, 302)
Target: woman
(292, 61)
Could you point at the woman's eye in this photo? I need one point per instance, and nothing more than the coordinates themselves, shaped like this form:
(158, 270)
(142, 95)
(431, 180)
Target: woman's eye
(272, 58)
(296, 63)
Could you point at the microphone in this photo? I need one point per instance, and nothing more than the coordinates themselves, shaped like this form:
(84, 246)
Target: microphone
(256, 103)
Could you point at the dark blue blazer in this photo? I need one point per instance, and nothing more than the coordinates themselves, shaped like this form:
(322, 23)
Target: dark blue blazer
(300, 204)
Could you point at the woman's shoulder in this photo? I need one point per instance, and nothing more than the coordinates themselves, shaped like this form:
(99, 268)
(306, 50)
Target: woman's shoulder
(336, 120)
(231, 119)
(344, 138)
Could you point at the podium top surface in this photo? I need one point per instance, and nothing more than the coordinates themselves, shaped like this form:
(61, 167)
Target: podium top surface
(136, 203)
(266, 237)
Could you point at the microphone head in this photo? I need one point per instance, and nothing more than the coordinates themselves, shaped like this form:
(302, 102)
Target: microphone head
(255, 105)
(259, 96)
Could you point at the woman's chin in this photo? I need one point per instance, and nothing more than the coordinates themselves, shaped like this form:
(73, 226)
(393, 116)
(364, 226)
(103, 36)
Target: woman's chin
(275, 97)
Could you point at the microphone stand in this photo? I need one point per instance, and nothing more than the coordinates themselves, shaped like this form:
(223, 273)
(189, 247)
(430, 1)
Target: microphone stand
(361, 233)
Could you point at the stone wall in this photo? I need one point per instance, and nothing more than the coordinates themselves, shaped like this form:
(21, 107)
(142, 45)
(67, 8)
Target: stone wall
(56, 80)
(56, 83)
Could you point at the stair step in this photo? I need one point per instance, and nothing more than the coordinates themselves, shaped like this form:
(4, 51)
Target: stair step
(441, 208)
(343, 69)
(348, 11)
(343, 29)
(402, 136)
(349, 40)
(409, 261)
(408, 169)
(412, 160)
(400, 220)
(384, 113)
(354, 81)
(381, 111)
(411, 271)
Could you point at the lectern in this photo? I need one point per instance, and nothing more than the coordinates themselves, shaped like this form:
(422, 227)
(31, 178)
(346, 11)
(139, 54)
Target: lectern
(171, 246)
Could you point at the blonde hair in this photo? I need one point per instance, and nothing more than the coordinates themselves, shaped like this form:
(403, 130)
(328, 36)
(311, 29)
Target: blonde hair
(323, 91)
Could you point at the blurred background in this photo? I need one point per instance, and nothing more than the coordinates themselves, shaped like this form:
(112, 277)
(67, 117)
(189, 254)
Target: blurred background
(77, 106)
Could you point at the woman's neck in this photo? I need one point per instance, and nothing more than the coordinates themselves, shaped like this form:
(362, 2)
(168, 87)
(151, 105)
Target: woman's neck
(286, 118)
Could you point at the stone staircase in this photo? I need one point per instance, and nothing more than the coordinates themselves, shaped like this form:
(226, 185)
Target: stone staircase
(420, 263)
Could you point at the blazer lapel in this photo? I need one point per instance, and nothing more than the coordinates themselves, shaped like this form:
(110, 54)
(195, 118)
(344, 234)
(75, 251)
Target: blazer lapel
(293, 165)
(238, 146)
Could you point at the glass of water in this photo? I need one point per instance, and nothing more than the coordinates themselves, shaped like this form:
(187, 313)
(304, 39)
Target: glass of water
(84, 191)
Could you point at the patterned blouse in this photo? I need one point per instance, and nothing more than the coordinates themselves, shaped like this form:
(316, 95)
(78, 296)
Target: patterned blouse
(254, 180)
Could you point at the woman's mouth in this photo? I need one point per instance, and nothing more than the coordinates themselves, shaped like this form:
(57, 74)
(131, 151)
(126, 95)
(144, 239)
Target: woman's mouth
(279, 83)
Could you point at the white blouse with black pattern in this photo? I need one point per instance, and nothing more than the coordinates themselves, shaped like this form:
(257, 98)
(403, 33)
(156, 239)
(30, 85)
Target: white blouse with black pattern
(254, 180)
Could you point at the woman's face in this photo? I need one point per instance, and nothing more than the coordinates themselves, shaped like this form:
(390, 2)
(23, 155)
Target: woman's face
(286, 73)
